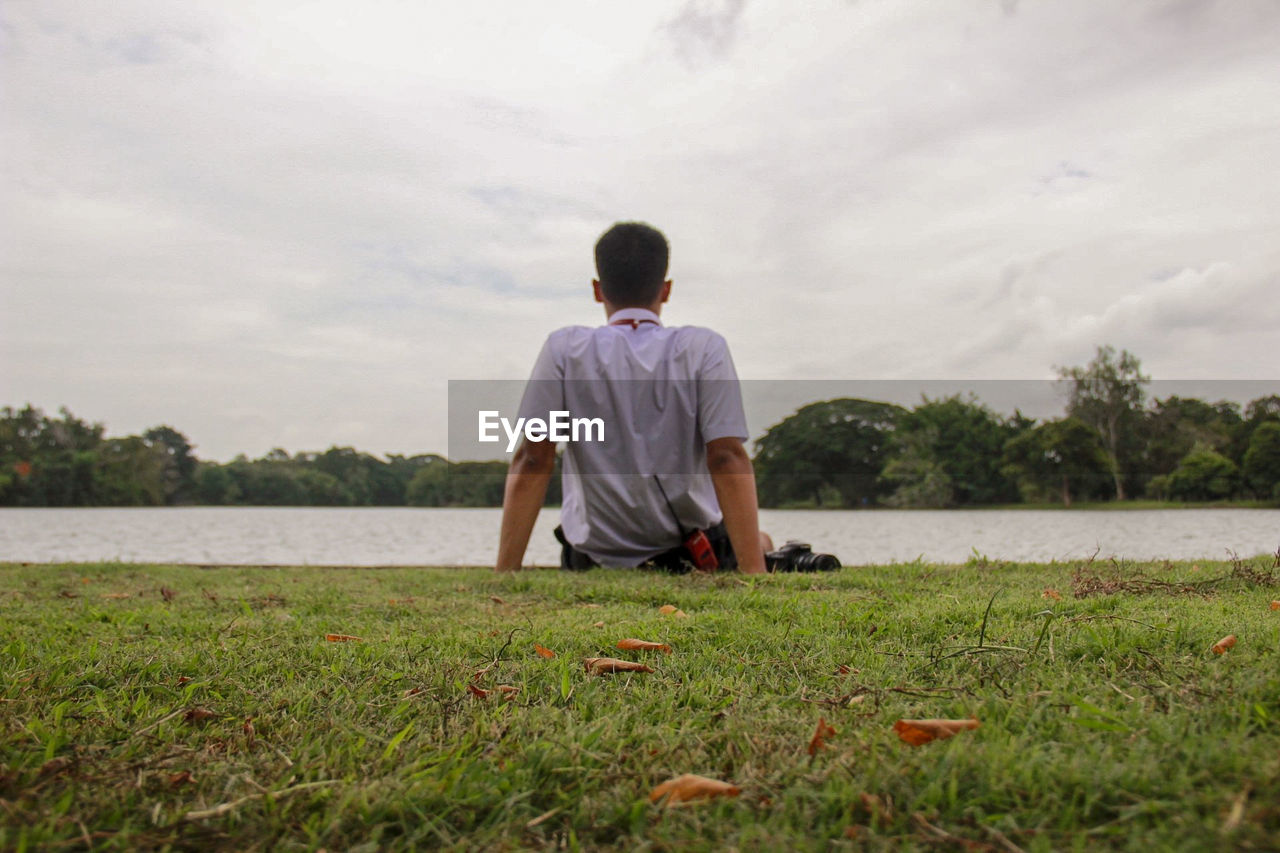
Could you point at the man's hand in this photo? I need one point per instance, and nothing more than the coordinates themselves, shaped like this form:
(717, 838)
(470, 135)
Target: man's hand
(522, 497)
(735, 483)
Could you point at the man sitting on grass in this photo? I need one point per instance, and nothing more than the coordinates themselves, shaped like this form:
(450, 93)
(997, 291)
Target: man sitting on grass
(672, 461)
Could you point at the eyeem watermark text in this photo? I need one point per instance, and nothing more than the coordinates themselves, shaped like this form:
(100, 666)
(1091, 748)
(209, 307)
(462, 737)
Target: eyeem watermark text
(559, 426)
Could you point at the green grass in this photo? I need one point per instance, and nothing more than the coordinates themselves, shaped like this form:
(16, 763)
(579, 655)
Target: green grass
(1106, 722)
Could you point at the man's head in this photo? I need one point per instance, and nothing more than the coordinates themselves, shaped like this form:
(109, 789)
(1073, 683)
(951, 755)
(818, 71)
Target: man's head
(631, 262)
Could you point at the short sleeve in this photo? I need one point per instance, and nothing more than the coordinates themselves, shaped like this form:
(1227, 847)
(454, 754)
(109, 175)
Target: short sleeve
(544, 392)
(720, 412)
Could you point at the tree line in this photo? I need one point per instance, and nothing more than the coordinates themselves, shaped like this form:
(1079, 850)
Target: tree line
(1111, 444)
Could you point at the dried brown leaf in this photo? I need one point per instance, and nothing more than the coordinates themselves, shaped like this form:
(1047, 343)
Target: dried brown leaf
(818, 741)
(597, 625)
(876, 807)
(477, 691)
(630, 644)
(496, 600)
(343, 638)
(412, 691)
(543, 651)
(1275, 605)
(604, 666)
(177, 780)
(1051, 593)
(54, 766)
(167, 594)
(1220, 647)
(668, 609)
(198, 715)
(183, 679)
(508, 691)
(692, 787)
(917, 732)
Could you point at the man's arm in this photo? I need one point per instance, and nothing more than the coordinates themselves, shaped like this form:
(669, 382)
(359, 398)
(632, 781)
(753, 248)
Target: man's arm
(522, 497)
(735, 484)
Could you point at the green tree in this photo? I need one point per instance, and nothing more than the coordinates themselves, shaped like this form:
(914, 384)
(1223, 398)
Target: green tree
(183, 470)
(837, 446)
(1062, 459)
(131, 472)
(458, 484)
(918, 476)
(965, 440)
(1203, 475)
(1173, 427)
(1261, 471)
(1107, 394)
(215, 486)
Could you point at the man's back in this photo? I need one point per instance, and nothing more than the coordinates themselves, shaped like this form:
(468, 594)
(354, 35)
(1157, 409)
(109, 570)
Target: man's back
(671, 410)
(662, 394)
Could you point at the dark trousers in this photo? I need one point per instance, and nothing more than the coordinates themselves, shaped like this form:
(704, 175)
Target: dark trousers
(675, 560)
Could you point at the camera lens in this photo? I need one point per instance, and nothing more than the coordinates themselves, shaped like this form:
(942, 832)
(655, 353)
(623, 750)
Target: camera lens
(816, 563)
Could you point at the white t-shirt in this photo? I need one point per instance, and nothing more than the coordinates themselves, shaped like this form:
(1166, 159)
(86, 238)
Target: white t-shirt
(662, 394)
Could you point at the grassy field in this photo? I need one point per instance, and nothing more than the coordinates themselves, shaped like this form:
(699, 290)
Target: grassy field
(154, 707)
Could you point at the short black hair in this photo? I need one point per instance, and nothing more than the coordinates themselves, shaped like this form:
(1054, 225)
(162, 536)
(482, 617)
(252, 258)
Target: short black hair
(631, 263)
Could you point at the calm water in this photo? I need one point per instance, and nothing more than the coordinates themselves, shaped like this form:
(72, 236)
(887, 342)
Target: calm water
(415, 537)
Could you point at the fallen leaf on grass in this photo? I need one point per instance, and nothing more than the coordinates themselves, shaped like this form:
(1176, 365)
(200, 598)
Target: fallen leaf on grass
(183, 679)
(198, 715)
(597, 625)
(630, 643)
(1220, 647)
(412, 691)
(477, 691)
(248, 730)
(672, 610)
(818, 741)
(508, 691)
(692, 787)
(543, 651)
(1275, 605)
(496, 600)
(342, 638)
(876, 807)
(66, 593)
(845, 669)
(115, 595)
(1051, 593)
(177, 780)
(604, 666)
(167, 594)
(54, 766)
(918, 732)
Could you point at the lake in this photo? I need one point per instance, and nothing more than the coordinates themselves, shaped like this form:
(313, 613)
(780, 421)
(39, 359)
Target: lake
(454, 537)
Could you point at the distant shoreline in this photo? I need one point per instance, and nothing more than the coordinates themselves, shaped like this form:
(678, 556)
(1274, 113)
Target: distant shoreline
(1082, 506)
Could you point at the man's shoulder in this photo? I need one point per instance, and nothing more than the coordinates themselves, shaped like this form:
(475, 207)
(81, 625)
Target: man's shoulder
(701, 337)
(568, 333)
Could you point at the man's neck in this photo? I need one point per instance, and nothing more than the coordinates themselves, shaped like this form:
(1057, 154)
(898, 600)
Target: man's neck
(610, 309)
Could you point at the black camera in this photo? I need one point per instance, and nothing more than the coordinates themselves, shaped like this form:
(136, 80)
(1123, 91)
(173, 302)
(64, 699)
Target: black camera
(798, 556)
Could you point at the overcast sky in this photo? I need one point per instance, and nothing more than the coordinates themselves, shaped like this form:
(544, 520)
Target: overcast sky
(289, 224)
